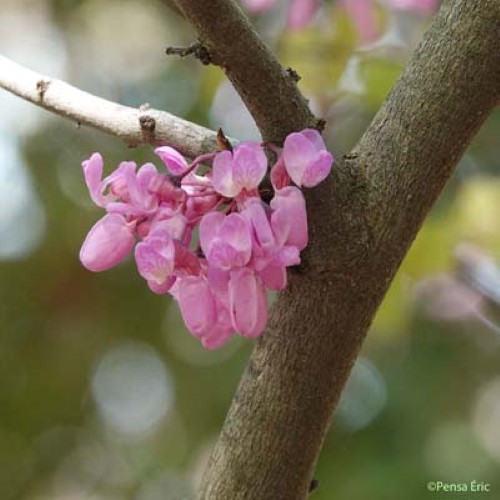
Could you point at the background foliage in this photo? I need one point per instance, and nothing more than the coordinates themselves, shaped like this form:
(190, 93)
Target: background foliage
(104, 394)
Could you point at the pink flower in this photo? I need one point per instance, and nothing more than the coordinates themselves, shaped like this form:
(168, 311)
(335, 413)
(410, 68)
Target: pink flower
(242, 170)
(301, 13)
(245, 244)
(289, 217)
(225, 240)
(107, 243)
(197, 305)
(173, 160)
(155, 259)
(363, 15)
(270, 255)
(306, 159)
(248, 302)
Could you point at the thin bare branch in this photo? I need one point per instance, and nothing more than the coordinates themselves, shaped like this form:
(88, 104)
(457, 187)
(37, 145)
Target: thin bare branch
(134, 126)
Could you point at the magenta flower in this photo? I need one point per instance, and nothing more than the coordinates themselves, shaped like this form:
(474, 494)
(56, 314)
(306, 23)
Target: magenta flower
(155, 259)
(306, 159)
(248, 302)
(245, 244)
(289, 217)
(225, 240)
(173, 160)
(197, 305)
(107, 244)
(242, 170)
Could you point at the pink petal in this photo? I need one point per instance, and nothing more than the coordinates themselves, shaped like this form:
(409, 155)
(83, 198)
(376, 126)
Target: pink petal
(298, 153)
(162, 288)
(254, 212)
(218, 280)
(248, 303)
(209, 227)
(318, 170)
(289, 256)
(174, 223)
(306, 159)
(155, 257)
(364, 18)
(301, 13)
(92, 172)
(279, 175)
(222, 175)
(107, 243)
(289, 219)
(197, 305)
(173, 160)
(259, 5)
(232, 246)
(222, 330)
(314, 137)
(186, 262)
(274, 276)
(249, 166)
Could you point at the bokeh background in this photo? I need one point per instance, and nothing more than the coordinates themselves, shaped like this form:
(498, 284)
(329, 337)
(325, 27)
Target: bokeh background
(103, 392)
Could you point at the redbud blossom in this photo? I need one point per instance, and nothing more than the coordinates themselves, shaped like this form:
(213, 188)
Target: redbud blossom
(107, 244)
(245, 244)
(306, 159)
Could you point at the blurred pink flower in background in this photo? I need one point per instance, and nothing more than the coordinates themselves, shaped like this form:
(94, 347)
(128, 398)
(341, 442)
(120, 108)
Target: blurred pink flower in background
(299, 12)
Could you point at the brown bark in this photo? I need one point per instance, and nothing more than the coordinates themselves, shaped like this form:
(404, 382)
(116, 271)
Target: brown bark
(362, 222)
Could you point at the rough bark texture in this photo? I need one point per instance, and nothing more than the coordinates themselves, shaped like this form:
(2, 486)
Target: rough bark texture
(362, 222)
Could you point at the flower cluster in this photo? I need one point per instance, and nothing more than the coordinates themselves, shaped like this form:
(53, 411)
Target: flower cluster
(202, 232)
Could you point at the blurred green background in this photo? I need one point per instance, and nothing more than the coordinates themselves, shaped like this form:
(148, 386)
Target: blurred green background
(105, 395)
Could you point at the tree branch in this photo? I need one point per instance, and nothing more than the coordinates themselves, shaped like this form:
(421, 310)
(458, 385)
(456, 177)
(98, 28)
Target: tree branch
(267, 89)
(362, 222)
(134, 126)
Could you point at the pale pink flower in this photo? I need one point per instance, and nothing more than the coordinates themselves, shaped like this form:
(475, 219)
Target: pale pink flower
(197, 304)
(226, 241)
(306, 159)
(364, 18)
(173, 160)
(301, 12)
(242, 170)
(108, 242)
(248, 302)
(155, 259)
(289, 217)
(270, 255)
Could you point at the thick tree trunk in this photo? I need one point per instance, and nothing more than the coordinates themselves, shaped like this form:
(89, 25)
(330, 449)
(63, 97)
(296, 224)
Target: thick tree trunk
(362, 222)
